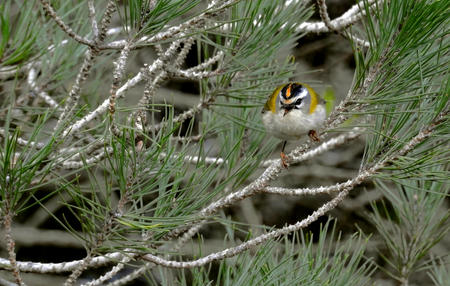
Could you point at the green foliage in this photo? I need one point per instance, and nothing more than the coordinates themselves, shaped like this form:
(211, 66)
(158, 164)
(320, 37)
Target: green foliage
(18, 34)
(149, 17)
(330, 99)
(408, 62)
(60, 58)
(440, 273)
(20, 165)
(409, 87)
(299, 261)
(259, 30)
(250, 69)
(135, 184)
(416, 221)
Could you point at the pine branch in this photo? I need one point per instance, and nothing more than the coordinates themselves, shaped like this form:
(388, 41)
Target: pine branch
(165, 178)
(52, 13)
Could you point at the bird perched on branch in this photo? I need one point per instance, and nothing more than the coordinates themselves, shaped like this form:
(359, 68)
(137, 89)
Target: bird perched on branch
(292, 111)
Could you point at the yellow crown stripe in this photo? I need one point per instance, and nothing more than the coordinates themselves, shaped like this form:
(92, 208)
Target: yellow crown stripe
(271, 103)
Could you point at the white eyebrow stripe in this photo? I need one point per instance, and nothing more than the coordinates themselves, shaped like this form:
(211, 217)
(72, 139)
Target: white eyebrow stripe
(303, 94)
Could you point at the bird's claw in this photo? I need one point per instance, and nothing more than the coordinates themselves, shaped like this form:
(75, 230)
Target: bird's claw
(284, 160)
(313, 135)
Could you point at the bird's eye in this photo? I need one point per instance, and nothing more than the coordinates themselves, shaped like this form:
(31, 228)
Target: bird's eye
(298, 101)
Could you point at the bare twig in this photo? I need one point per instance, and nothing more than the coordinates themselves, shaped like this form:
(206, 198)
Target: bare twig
(179, 30)
(208, 63)
(328, 145)
(100, 238)
(204, 104)
(130, 277)
(197, 159)
(323, 11)
(10, 244)
(110, 274)
(117, 77)
(193, 75)
(51, 12)
(74, 93)
(248, 191)
(363, 175)
(23, 142)
(104, 106)
(92, 14)
(164, 66)
(37, 267)
(261, 183)
(42, 94)
(343, 190)
(351, 16)
(324, 15)
(85, 69)
(68, 266)
(144, 73)
(11, 71)
(71, 164)
(106, 230)
(154, 74)
(157, 66)
(233, 251)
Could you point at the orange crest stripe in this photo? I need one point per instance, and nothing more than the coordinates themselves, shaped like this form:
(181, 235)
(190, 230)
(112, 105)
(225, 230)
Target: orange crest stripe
(288, 91)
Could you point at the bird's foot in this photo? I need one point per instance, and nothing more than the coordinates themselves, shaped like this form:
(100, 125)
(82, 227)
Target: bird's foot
(313, 135)
(284, 160)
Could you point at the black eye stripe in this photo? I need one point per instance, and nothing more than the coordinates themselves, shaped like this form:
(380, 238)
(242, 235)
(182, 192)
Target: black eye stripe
(283, 91)
(297, 88)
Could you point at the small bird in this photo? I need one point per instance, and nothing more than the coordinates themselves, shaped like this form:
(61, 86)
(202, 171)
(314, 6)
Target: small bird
(292, 111)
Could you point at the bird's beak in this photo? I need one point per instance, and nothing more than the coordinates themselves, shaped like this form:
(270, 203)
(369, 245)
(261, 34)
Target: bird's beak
(286, 111)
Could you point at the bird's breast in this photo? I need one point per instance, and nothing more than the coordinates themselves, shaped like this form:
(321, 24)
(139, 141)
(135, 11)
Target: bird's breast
(294, 124)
